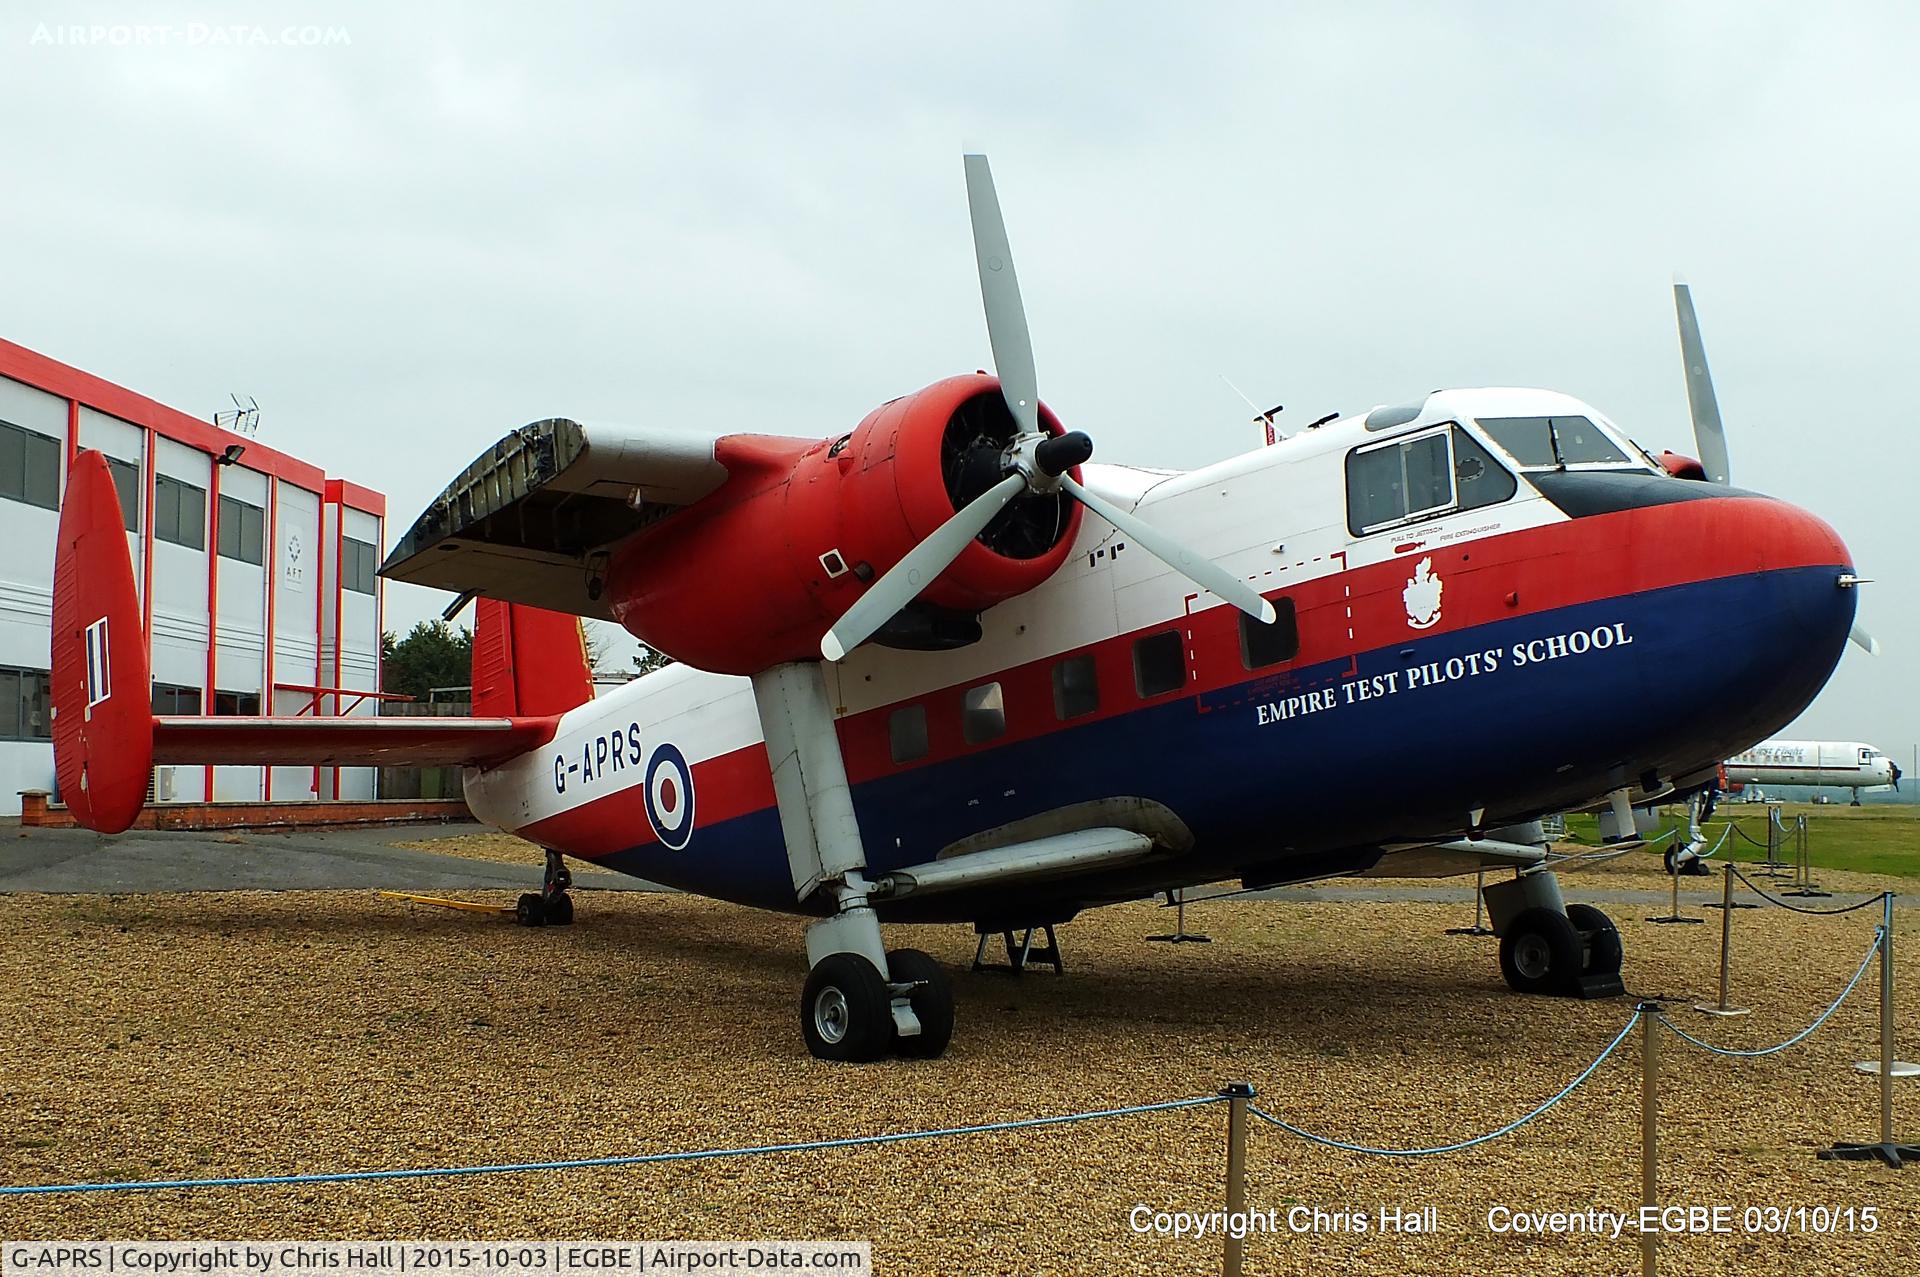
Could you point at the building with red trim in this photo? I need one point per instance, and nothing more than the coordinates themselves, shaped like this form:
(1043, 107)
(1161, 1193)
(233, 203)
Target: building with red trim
(256, 573)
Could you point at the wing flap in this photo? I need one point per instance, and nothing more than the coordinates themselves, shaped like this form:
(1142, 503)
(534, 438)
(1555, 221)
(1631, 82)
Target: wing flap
(347, 742)
(522, 521)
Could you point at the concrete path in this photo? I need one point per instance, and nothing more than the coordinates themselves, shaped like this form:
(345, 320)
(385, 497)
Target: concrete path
(79, 861)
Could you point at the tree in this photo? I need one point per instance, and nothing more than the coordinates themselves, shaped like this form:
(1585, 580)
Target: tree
(646, 661)
(433, 654)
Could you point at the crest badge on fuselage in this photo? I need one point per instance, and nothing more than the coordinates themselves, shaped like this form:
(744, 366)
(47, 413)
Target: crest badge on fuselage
(1422, 596)
(669, 790)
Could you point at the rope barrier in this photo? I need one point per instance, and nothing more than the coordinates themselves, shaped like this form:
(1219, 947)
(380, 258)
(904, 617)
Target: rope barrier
(638, 1159)
(1508, 1129)
(1819, 913)
(1878, 934)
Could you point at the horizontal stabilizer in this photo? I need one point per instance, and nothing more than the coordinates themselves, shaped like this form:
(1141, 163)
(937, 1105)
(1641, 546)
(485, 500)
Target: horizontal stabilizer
(347, 742)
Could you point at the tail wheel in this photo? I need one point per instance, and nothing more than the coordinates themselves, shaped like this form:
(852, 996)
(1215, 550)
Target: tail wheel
(1541, 952)
(530, 910)
(846, 1012)
(1602, 939)
(931, 999)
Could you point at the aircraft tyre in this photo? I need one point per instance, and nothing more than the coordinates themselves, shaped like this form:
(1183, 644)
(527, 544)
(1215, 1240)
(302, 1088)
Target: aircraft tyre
(559, 910)
(530, 910)
(1602, 939)
(1541, 952)
(846, 1012)
(932, 1003)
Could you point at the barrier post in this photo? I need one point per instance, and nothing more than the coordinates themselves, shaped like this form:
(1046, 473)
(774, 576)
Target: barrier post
(1676, 915)
(1803, 884)
(1726, 949)
(1894, 1155)
(1238, 1094)
(1649, 1129)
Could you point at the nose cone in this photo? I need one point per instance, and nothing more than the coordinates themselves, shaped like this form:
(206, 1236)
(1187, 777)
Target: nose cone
(1773, 606)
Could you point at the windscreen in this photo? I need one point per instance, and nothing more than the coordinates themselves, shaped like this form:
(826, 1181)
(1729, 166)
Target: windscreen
(1554, 441)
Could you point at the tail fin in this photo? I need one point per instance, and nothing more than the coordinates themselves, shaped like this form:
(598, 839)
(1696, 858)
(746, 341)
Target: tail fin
(528, 661)
(102, 701)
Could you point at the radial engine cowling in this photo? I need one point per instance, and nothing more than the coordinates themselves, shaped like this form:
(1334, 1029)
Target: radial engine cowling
(754, 574)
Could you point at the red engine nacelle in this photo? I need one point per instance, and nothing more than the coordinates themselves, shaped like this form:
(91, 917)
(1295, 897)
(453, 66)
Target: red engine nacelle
(753, 575)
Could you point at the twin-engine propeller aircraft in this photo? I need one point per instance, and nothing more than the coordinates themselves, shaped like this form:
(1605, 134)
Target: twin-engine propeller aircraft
(943, 667)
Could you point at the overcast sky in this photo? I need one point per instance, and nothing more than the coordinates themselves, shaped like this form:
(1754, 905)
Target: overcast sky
(408, 229)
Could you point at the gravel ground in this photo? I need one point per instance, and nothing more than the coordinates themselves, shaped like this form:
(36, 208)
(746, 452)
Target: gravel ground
(248, 1033)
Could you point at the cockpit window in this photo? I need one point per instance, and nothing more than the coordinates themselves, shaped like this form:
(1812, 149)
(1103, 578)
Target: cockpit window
(1479, 479)
(1426, 475)
(1554, 441)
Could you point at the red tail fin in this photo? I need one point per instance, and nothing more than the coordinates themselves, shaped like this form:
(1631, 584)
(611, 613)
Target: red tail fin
(527, 661)
(102, 701)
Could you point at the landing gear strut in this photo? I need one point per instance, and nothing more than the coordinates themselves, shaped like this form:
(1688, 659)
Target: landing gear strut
(860, 1002)
(551, 906)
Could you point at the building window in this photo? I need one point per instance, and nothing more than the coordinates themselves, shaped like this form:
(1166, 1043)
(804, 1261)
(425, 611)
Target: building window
(358, 563)
(179, 512)
(24, 696)
(983, 714)
(126, 482)
(29, 466)
(236, 703)
(1076, 689)
(242, 531)
(176, 700)
(1159, 663)
(1262, 645)
(907, 733)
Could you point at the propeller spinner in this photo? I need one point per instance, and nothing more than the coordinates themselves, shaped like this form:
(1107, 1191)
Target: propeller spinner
(1034, 461)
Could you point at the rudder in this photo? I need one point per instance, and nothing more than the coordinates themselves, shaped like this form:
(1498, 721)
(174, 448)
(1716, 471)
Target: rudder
(102, 699)
(527, 661)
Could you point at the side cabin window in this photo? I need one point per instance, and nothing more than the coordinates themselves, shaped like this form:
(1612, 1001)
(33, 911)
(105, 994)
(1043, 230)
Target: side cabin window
(1159, 664)
(1262, 645)
(983, 714)
(907, 733)
(1431, 473)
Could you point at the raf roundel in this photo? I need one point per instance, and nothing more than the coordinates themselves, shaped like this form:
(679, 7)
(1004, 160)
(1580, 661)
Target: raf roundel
(670, 797)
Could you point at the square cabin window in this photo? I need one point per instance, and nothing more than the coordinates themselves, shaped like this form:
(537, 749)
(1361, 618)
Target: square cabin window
(1076, 689)
(1159, 664)
(983, 714)
(1262, 645)
(907, 733)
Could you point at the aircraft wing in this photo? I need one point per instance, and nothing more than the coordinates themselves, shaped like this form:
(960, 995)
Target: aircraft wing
(347, 742)
(525, 521)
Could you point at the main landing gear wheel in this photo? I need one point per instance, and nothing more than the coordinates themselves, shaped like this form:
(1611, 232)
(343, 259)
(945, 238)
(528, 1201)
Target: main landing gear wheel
(551, 906)
(846, 1011)
(1542, 952)
(1602, 940)
(931, 1000)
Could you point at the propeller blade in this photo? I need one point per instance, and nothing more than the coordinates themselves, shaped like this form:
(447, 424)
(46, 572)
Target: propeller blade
(1000, 293)
(1709, 436)
(914, 573)
(1867, 641)
(1191, 564)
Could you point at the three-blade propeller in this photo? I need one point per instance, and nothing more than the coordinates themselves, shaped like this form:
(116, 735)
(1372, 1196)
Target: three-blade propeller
(1709, 434)
(1035, 461)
